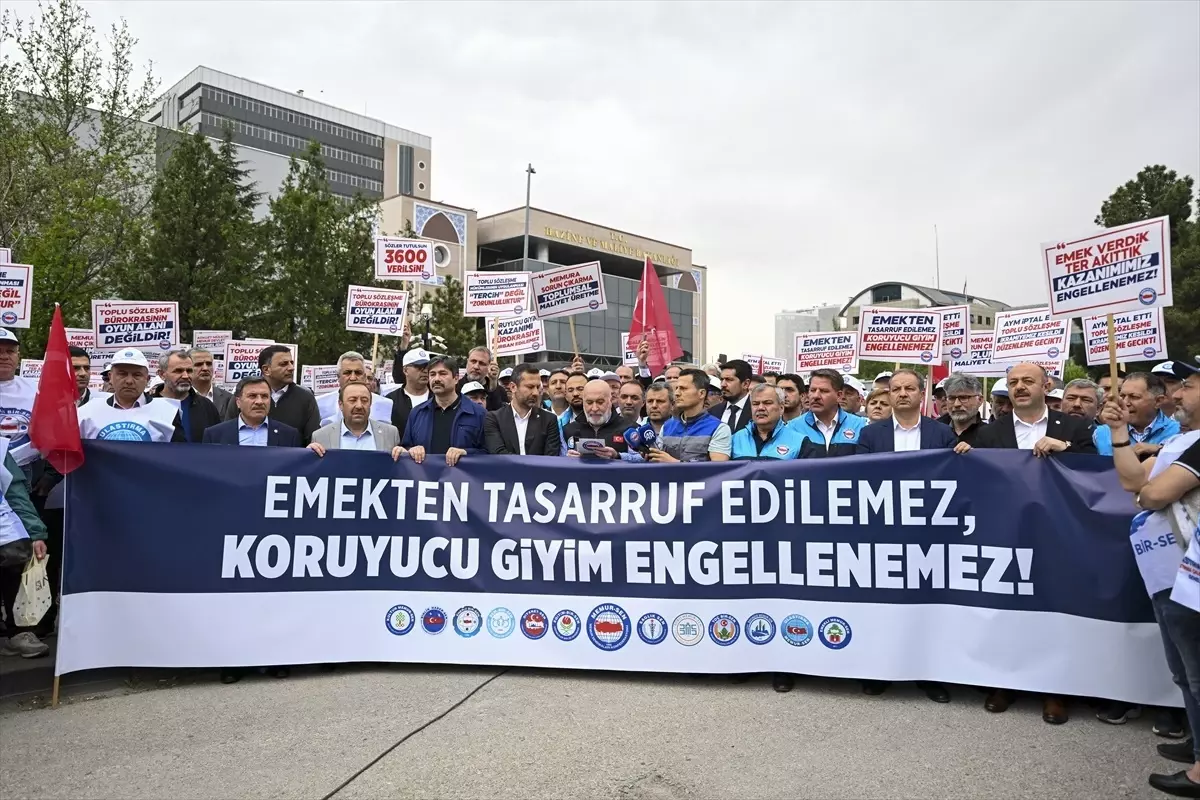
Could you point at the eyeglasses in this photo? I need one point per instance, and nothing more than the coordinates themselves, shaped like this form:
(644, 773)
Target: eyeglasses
(960, 398)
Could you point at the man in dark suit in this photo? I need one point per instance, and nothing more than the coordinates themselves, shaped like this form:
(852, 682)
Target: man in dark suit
(523, 427)
(734, 410)
(907, 430)
(1032, 425)
(291, 404)
(251, 427)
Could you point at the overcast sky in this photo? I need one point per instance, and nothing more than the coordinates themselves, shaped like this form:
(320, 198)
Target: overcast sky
(803, 151)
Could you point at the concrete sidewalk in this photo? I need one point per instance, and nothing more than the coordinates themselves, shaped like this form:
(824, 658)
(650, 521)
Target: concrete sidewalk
(552, 734)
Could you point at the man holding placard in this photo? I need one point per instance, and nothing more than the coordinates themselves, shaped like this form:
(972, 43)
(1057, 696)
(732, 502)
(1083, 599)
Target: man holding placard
(1149, 427)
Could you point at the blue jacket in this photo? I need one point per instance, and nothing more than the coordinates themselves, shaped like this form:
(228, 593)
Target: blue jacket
(1160, 429)
(880, 436)
(844, 441)
(785, 443)
(466, 431)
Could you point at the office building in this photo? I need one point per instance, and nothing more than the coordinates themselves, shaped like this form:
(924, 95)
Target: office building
(558, 240)
(362, 155)
(802, 320)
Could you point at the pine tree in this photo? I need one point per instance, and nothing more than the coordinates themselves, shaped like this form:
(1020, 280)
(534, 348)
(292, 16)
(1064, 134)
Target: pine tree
(317, 244)
(202, 248)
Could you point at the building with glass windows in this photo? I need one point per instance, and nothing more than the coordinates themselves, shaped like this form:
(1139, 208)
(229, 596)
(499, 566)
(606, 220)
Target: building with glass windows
(362, 155)
(557, 240)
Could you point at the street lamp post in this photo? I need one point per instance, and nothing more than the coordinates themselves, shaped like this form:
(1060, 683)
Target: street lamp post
(529, 173)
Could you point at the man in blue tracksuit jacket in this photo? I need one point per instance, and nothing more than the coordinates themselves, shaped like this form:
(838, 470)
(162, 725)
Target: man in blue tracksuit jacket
(445, 423)
(767, 435)
(1149, 428)
(826, 428)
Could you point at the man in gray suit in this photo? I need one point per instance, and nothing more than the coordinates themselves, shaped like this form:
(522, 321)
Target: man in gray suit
(356, 430)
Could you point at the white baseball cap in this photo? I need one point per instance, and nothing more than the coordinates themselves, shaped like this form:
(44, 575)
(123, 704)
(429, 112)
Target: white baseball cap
(473, 386)
(1165, 368)
(506, 373)
(595, 372)
(610, 376)
(544, 373)
(1057, 394)
(855, 384)
(129, 357)
(8, 336)
(1000, 388)
(417, 356)
(883, 375)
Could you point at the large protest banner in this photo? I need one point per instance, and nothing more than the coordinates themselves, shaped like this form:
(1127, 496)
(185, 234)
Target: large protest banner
(16, 288)
(895, 567)
(977, 360)
(81, 337)
(403, 259)
(956, 327)
(567, 291)
(820, 350)
(143, 325)
(903, 336)
(1126, 268)
(378, 311)
(1030, 334)
(1140, 336)
(514, 336)
(495, 294)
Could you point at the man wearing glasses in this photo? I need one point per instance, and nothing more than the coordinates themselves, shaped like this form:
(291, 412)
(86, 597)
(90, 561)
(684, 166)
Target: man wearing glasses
(964, 396)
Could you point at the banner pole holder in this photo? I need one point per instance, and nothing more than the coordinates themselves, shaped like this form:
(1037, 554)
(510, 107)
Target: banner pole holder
(1112, 352)
(574, 343)
(54, 692)
(375, 355)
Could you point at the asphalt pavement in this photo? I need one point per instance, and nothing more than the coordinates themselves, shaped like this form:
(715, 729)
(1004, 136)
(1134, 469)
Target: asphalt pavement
(447, 732)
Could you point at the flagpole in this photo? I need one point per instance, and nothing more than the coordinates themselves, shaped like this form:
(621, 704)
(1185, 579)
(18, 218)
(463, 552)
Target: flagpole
(937, 259)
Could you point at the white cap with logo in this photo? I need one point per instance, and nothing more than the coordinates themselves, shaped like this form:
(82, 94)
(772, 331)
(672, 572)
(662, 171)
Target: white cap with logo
(8, 336)
(472, 386)
(595, 372)
(417, 356)
(855, 384)
(130, 358)
(506, 373)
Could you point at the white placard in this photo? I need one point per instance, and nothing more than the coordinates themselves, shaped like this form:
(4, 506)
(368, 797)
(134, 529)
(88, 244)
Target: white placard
(771, 364)
(628, 354)
(1030, 334)
(1140, 337)
(567, 291)
(16, 290)
(241, 360)
(403, 259)
(370, 310)
(5, 255)
(495, 294)
(31, 368)
(827, 350)
(514, 336)
(81, 337)
(214, 342)
(755, 362)
(956, 326)
(1126, 268)
(323, 379)
(306, 373)
(905, 336)
(977, 360)
(133, 323)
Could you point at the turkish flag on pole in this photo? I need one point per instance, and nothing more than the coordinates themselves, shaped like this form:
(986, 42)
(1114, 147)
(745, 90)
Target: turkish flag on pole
(652, 323)
(54, 427)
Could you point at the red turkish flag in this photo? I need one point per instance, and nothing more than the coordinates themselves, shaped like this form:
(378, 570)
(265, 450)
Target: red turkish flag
(652, 323)
(54, 426)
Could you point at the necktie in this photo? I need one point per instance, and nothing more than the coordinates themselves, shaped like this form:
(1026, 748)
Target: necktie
(731, 420)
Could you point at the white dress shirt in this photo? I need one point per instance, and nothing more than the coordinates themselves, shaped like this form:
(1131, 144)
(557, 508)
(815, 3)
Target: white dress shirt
(1030, 433)
(353, 441)
(733, 411)
(907, 439)
(278, 393)
(522, 424)
(826, 430)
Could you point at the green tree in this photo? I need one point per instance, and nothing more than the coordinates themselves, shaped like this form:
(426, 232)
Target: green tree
(459, 333)
(203, 245)
(317, 244)
(76, 162)
(1155, 192)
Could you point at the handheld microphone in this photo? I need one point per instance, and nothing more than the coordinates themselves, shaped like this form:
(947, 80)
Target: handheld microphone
(648, 438)
(633, 438)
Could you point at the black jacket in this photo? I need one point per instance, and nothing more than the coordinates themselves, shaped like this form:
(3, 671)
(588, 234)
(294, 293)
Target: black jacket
(297, 407)
(541, 433)
(202, 414)
(1002, 433)
(971, 434)
(743, 420)
(401, 407)
(612, 432)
